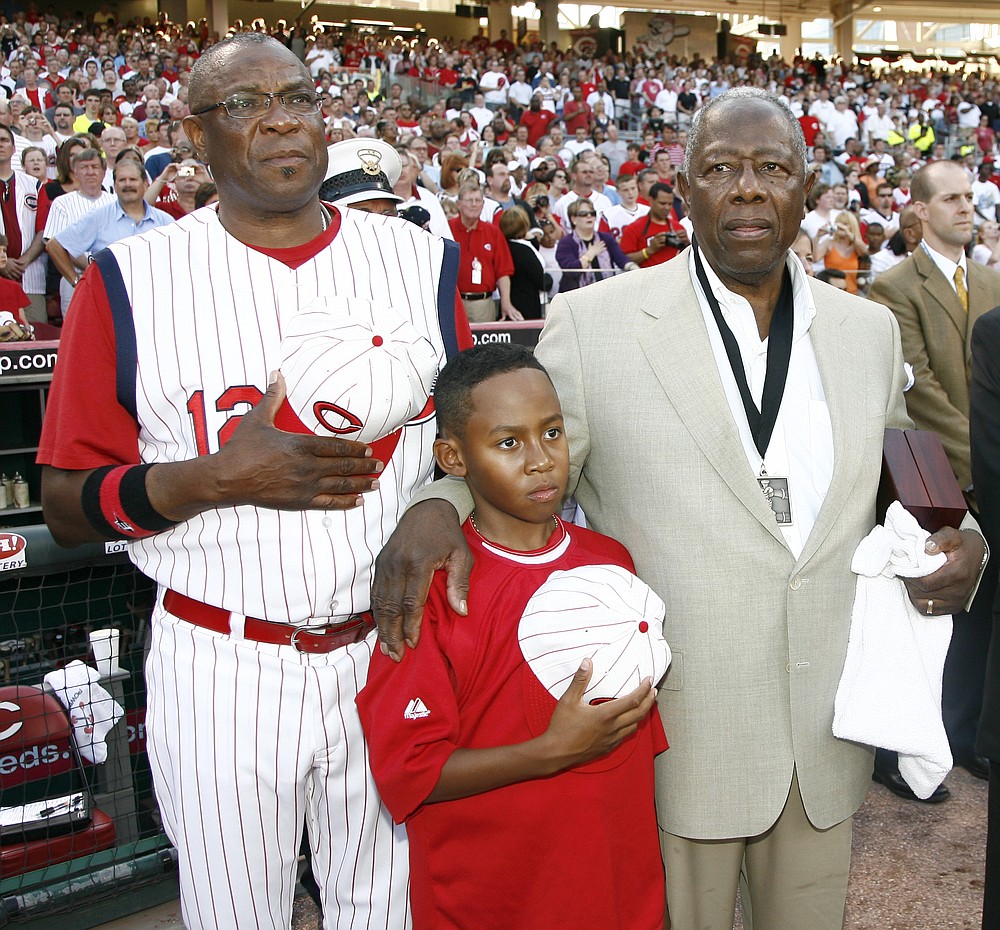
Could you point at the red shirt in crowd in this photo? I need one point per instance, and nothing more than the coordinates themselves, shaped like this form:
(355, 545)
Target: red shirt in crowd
(486, 243)
(537, 123)
(632, 167)
(636, 235)
(576, 113)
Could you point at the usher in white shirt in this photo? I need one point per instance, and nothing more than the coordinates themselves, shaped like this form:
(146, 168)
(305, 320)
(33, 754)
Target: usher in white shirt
(801, 446)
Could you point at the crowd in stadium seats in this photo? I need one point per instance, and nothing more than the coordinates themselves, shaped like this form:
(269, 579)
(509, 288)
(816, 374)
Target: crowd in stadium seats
(535, 127)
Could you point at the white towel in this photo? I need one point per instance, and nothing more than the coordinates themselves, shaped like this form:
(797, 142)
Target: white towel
(890, 691)
(92, 711)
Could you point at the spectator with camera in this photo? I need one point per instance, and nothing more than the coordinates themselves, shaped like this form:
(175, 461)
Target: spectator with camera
(538, 200)
(184, 178)
(658, 236)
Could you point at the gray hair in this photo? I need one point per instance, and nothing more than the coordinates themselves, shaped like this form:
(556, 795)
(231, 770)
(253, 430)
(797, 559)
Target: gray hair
(745, 93)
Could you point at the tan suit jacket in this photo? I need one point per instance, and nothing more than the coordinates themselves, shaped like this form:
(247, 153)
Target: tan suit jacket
(758, 637)
(937, 341)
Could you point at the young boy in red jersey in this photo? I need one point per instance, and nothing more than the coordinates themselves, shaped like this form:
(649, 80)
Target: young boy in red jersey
(522, 810)
(13, 300)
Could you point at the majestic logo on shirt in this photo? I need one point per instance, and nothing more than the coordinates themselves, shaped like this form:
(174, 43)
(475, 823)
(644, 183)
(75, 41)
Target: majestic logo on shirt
(416, 710)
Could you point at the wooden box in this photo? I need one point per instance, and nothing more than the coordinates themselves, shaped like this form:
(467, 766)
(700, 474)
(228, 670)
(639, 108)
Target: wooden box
(916, 472)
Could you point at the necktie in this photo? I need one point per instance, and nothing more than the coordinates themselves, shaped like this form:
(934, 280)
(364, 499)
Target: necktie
(961, 289)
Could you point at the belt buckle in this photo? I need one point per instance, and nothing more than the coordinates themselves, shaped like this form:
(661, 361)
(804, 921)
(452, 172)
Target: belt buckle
(323, 629)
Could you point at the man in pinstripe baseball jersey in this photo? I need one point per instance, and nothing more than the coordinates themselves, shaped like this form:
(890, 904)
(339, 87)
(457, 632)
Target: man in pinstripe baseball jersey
(18, 204)
(88, 169)
(162, 430)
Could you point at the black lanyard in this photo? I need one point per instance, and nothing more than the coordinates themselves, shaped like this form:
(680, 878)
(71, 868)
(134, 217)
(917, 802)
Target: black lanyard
(779, 351)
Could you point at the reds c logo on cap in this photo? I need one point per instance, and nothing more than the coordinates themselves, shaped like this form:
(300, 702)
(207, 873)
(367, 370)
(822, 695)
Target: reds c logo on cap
(356, 369)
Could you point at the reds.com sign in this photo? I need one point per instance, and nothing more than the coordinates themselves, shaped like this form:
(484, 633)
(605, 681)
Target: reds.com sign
(34, 737)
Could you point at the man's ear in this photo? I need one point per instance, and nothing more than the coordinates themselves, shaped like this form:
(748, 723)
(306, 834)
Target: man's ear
(194, 132)
(448, 453)
(682, 188)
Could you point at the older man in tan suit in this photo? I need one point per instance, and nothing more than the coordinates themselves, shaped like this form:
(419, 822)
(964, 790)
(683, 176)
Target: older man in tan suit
(937, 295)
(669, 457)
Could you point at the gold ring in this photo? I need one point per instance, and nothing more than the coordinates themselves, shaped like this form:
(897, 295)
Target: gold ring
(930, 606)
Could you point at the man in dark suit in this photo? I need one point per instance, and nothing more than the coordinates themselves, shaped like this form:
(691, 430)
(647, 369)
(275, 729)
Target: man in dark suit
(984, 428)
(937, 295)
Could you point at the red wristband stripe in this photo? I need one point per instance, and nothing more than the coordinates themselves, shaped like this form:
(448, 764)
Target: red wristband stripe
(116, 503)
(111, 503)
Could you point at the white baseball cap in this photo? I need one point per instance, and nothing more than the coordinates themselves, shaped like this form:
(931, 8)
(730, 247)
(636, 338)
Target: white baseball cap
(601, 612)
(359, 170)
(353, 369)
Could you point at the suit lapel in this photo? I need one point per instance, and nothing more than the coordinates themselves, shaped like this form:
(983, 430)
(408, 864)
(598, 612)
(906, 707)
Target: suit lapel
(941, 290)
(845, 397)
(694, 388)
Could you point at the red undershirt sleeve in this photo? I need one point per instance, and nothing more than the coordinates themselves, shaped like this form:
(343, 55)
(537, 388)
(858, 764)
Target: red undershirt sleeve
(85, 427)
(463, 332)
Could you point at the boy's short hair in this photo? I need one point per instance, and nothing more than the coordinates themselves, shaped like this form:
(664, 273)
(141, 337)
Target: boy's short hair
(469, 369)
(3, 241)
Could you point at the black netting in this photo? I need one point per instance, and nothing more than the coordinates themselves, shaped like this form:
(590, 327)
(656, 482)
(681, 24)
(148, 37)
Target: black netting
(74, 827)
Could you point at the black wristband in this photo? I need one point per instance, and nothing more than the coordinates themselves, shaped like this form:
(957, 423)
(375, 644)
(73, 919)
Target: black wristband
(115, 502)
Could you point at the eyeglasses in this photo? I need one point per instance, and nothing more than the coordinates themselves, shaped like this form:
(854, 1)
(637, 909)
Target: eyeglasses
(250, 105)
(586, 213)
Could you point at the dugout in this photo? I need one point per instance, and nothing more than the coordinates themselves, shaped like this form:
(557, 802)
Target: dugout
(80, 843)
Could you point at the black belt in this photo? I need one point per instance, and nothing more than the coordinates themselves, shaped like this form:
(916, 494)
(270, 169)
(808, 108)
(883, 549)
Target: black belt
(482, 296)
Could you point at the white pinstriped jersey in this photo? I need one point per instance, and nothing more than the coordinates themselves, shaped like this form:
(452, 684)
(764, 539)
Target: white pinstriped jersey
(208, 345)
(69, 208)
(618, 218)
(26, 192)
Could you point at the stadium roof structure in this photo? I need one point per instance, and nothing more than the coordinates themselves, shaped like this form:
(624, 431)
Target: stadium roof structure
(969, 11)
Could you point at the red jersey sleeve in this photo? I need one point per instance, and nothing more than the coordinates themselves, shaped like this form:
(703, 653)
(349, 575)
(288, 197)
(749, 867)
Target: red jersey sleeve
(463, 332)
(409, 712)
(44, 205)
(85, 427)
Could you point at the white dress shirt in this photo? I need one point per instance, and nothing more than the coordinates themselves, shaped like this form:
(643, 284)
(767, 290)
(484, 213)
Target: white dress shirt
(947, 266)
(801, 446)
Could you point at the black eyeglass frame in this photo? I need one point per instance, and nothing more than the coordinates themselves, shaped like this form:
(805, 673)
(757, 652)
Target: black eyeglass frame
(315, 105)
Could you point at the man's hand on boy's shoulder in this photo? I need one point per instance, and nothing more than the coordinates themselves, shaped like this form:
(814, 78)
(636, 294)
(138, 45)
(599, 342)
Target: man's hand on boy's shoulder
(428, 537)
(580, 732)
